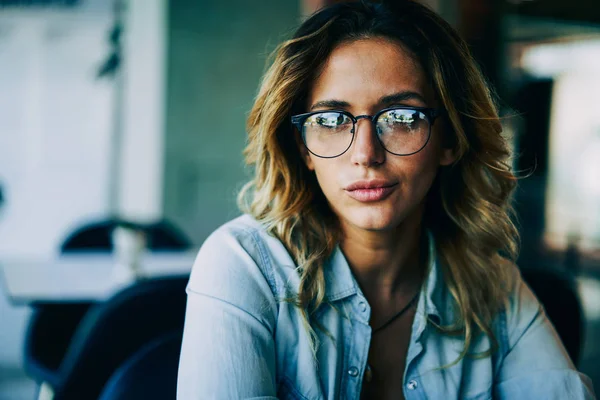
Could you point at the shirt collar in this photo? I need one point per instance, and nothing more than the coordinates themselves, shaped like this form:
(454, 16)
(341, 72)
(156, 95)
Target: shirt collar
(339, 281)
(433, 300)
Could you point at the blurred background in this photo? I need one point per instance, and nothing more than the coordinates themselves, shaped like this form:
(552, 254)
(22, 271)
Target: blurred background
(122, 124)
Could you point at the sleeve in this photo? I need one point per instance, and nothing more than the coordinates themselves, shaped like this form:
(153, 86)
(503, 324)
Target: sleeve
(536, 365)
(228, 350)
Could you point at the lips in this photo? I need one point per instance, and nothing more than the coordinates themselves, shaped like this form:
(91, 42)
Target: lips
(370, 191)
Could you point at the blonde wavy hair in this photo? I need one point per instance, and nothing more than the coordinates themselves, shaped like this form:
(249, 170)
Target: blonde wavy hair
(468, 207)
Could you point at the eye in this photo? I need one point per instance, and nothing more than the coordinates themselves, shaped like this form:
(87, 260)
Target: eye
(405, 117)
(329, 120)
(402, 118)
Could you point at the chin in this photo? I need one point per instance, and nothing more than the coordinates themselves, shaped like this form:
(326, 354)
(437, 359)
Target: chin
(373, 218)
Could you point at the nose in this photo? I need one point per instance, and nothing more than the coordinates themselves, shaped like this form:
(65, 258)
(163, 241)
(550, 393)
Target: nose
(366, 149)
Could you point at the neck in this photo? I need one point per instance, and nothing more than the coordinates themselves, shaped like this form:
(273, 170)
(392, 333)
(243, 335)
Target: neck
(386, 264)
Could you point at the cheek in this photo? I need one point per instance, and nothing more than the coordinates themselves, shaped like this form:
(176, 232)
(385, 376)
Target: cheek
(325, 170)
(419, 171)
(428, 160)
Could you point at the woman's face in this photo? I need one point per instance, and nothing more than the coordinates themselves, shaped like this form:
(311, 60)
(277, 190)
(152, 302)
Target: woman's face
(367, 187)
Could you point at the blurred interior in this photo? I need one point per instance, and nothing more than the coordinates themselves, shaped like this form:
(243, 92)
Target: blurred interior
(122, 124)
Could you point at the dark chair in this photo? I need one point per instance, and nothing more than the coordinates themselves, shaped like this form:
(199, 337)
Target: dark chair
(47, 338)
(112, 331)
(557, 292)
(97, 236)
(52, 326)
(150, 374)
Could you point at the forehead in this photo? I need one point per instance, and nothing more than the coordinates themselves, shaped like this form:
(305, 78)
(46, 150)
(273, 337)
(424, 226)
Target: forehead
(360, 72)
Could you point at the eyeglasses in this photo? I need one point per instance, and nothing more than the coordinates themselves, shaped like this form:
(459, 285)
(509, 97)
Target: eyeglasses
(402, 131)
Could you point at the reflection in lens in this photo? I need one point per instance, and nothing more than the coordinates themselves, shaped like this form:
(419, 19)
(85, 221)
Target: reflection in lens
(329, 120)
(328, 134)
(400, 131)
(403, 131)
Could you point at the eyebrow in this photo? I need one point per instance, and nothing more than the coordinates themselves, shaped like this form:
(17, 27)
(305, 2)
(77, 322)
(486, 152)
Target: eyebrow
(401, 97)
(385, 100)
(330, 104)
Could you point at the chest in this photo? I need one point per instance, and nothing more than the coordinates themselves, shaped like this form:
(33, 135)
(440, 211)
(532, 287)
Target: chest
(384, 377)
(340, 372)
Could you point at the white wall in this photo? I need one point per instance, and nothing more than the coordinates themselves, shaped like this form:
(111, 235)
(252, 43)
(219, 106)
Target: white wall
(54, 127)
(140, 176)
(57, 131)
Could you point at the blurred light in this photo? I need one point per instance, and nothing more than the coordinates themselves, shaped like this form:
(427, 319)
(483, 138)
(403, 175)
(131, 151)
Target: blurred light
(589, 292)
(548, 60)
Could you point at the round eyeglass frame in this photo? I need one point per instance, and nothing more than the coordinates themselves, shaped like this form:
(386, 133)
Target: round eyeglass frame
(430, 113)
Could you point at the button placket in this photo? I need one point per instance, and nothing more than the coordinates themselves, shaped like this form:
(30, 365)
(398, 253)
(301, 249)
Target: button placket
(362, 306)
(357, 328)
(362, 310)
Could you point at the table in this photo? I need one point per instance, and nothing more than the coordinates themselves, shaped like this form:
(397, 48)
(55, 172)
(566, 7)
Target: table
(83, 276)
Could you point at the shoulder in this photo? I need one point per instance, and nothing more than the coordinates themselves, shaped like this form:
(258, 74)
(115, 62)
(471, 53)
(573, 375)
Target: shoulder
(239, 239)
(238, 256)
(521, 305)
(232, 253)
(533, 362)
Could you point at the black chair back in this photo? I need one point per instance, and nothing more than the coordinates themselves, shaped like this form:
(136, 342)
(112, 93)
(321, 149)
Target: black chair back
(113, 331)
(151, 374)
(97, 236)
(52, 326)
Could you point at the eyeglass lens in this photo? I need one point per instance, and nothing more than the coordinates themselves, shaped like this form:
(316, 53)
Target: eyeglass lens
(400, 131)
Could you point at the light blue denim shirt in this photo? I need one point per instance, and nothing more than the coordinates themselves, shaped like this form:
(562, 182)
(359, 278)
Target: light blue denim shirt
(242, 342)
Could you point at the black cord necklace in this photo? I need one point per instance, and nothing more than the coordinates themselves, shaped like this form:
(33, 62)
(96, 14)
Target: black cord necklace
(398, 314)
(369, 371)
(423, 258)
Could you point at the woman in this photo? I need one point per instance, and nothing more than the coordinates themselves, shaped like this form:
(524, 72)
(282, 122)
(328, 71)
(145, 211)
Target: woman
(375, 256)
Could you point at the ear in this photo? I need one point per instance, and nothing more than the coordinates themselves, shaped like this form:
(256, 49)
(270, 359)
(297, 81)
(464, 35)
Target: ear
(447, 156)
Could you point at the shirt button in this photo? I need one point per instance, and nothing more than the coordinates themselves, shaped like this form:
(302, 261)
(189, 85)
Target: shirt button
(412, 385)
(353, 372)
(363, 306)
